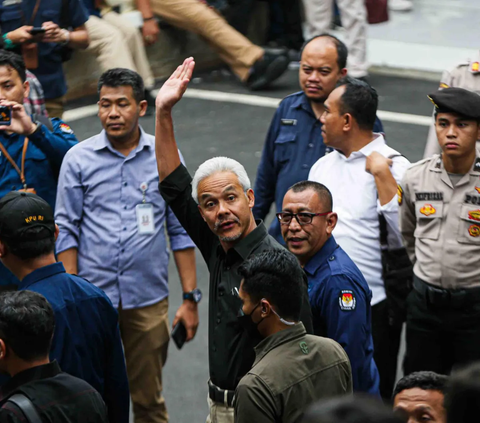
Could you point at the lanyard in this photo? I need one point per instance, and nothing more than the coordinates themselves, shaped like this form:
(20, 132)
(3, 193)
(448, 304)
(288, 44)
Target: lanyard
(21, 172)
(34, 13)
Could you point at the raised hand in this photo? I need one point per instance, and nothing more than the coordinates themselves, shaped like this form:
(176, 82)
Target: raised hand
(175, 86)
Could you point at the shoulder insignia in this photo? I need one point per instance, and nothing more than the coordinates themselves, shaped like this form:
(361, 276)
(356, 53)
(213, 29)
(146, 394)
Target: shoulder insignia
(65, 128)
(400, 195)
(304, 347)
(475, 67)
(347, 300)
(443, 85)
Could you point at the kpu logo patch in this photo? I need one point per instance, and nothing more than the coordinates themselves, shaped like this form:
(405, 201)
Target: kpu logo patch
(347, 300)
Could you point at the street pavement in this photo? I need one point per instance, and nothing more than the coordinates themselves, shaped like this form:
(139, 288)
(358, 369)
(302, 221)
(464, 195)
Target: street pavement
(205, 129)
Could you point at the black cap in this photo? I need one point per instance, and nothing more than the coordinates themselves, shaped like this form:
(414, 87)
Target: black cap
(457, 100)
(21, 211)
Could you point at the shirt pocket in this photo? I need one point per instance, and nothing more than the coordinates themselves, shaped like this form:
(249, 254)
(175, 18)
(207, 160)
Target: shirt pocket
(429, 219)
(285, 143)
(10, 19)
(469, 226)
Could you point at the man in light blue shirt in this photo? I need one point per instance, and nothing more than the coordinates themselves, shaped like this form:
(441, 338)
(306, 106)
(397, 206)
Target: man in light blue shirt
(112, 222)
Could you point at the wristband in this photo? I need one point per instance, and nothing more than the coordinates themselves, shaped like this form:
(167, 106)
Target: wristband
(151, 18)
(7, 42)
(66, 32)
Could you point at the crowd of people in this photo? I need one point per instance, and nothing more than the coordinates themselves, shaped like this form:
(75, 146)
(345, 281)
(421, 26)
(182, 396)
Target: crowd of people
(301, 315)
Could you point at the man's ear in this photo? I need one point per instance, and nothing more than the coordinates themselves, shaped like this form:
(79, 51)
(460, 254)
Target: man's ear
(3, 349)
(348, 121)
(251, 197)
(143, 107)
(57, 231)
(265, 307)
(26, 89)
(201, 212)
(332, 220)
(3, 249)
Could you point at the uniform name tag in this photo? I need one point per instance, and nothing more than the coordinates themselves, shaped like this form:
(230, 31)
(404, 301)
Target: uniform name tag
(289, 122)
(472, 199)
(145, 223)
(429, 196)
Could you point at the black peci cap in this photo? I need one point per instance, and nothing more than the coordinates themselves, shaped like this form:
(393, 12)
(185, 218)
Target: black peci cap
(20, 212)
(457, 100)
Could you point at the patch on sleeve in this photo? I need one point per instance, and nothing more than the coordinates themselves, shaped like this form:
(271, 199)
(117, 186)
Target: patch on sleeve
(65, 128)
(347, 300)
(443, 85)
(400, 195)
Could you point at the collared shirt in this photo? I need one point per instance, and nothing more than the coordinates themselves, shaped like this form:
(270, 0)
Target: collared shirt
(230, 346)
(35, 102)
(14, 14)
(98, 192)
(86, 342)
(440, 223)
(340, 300)
(294, 143)
(355, 200)
(291, 371)
(90, 6)
(57, 397)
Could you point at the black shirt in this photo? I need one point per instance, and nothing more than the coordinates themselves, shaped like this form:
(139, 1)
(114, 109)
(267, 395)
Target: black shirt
(231, 349)
(57, 396)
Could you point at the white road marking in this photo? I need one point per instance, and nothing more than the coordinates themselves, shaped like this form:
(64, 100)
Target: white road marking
(250, 100)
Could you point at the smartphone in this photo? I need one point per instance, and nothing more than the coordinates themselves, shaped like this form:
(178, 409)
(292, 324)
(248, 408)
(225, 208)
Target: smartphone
(179, 335)
(37, 30)
(5, 115)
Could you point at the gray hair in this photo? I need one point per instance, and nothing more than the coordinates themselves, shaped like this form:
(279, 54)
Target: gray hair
(219, 164)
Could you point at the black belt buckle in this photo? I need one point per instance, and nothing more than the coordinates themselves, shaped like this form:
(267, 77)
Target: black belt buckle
(220, 395)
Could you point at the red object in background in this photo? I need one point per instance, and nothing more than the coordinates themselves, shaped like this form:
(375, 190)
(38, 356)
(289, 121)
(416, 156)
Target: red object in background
(377, 11)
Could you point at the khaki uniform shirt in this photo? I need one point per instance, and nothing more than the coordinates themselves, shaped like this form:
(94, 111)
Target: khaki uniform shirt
(465, 75)
(291, 370)
(440, 223)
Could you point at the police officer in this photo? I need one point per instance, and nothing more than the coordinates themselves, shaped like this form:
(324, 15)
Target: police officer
(464, 75)
(440, 221)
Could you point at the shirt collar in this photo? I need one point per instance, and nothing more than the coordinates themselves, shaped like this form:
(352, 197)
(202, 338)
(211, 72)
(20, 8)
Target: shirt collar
(322, 256)
(34, 373)
(374, 145)
(302, 102)
(42, 273)
(103, 142)
(277, 339)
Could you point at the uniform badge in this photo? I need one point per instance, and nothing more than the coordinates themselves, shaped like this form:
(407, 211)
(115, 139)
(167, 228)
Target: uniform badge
(428, 210)
(347, 300)
(65, 128)
(304, 347)
(477, 189)
(399, 195)
(474, 230)
(474, 215)
(443, 85)
(475, 67)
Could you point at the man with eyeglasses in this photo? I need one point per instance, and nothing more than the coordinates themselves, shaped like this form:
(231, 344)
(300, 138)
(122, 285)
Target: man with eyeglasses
(339, 294)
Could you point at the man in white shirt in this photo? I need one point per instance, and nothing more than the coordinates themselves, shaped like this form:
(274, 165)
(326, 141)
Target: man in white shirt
(362, 174)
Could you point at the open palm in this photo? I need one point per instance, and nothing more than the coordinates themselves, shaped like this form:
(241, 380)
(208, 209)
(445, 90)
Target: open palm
(175, 86)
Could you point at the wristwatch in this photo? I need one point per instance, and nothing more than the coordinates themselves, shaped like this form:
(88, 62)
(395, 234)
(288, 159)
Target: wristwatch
(195, 295)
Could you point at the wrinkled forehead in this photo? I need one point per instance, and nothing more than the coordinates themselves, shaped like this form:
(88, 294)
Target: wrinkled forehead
(219, 183)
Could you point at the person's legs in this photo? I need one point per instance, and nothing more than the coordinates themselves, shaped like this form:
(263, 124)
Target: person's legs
(219, 413)
(192, 15)
(318, 15)
(354, 20)
(108, 44)
(386, 342)
(466, 333)
(145, 336)
(55, 106)
(135, 45)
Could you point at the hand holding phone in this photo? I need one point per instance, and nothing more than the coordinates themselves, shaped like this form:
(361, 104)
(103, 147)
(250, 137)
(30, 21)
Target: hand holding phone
(5, 115)
(37, 30)
(179, 335)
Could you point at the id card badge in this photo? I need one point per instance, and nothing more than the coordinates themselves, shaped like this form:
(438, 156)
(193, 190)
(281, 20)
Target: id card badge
(145, 223)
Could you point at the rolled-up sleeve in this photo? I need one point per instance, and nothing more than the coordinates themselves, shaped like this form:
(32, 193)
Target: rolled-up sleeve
(179, 239)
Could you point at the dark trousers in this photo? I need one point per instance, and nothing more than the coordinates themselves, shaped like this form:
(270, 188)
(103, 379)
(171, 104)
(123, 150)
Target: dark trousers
(440, 337)
(386, 341)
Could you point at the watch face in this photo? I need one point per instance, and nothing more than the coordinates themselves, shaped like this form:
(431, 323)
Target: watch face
(197, 295)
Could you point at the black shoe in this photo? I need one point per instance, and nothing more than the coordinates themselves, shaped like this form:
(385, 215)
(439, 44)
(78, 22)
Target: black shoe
(266, 70)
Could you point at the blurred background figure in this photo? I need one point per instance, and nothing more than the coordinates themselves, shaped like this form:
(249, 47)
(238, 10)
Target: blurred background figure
(34, 102)
(420, 397)
(400, 5)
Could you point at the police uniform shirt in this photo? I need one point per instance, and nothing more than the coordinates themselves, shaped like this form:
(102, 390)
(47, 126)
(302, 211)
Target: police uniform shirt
(465, 75)
(440, 223)
(356, 203)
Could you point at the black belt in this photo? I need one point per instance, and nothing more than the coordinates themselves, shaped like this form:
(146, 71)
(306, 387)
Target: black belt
(220, 395)
(454, 298)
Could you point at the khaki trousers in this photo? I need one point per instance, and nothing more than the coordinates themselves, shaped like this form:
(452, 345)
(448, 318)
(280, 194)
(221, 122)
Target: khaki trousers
(192, 15)
(219, 413)
(55, 107)
(319, 15)
(145, 335)
(116, 43)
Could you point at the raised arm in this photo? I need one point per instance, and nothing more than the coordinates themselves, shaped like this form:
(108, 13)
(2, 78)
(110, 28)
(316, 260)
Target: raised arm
(170, 94)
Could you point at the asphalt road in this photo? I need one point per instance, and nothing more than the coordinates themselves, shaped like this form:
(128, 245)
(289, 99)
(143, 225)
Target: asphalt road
(205, 129)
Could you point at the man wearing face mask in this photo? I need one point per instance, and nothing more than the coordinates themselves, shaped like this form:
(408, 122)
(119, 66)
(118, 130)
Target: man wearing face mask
(291, 369)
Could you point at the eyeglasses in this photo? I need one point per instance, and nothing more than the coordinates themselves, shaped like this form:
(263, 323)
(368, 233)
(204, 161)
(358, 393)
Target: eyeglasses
(303, 218)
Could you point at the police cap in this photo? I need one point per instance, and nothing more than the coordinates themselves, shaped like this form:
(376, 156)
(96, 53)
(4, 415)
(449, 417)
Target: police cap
(457, 100)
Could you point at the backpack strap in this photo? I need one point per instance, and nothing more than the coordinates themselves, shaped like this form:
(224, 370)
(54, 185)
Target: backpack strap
(26, 406)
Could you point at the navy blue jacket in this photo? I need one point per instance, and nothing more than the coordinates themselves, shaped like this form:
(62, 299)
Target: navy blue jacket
(340, 300)
(294, 143)
(87, 341)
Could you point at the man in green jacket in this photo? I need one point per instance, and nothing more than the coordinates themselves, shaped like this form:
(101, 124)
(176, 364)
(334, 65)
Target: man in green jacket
(291, 369)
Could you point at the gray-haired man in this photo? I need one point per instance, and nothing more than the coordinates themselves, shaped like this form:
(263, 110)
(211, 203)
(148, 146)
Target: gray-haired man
(220, 222)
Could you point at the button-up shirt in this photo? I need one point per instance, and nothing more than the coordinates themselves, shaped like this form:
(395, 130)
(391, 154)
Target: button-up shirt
(294, 143)
(340, 300)
(355, 200)
(440, 223)
(86, 342)
(98, 192)
(291, 371)
(57, 397)
(14, 14)
(230, 347)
